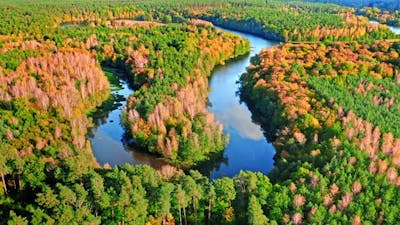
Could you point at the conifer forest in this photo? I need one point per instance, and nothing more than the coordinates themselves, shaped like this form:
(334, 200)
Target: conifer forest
(190, 112)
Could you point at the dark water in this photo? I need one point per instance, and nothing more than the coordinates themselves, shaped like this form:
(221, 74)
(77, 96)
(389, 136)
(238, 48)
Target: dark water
(247, 149)
(107, 137)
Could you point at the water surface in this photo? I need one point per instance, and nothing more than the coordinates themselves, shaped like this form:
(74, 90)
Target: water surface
(247, 150)
(108, 137)
(395, 30)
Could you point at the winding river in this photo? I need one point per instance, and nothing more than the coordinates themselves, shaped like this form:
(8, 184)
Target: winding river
(108, 139)
(247, 150)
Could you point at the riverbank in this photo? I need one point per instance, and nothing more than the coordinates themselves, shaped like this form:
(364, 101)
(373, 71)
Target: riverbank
(248, 149)
(394, 29)
(248, 26)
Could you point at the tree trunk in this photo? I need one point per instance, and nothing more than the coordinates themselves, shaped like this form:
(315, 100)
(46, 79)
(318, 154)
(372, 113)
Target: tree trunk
(4, 183)
(180, 215)
(19, 182)
(209, 210)
(195, 211)
(184, 214)
(14, 182)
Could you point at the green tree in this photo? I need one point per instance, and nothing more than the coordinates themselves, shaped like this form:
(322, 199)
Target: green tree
(225, 193)
(182, 201)
(255, 213)
(16, 220)
(164, 200)
(4, 170)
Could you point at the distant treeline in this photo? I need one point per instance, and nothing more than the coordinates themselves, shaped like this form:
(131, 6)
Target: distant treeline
(383, 4)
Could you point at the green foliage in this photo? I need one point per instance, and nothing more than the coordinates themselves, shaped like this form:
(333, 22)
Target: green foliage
(363, 105)
(379, 4)
(13, 58)
(47, 178)
(255, 213)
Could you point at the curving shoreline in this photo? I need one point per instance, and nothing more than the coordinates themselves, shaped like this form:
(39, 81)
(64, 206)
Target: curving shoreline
(248, 26)
(248, 149)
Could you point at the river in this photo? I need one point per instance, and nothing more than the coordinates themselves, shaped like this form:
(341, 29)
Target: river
(247, 150)
(395, 30)
(108, 137)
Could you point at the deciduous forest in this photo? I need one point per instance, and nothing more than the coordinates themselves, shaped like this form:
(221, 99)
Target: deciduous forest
(327, 97)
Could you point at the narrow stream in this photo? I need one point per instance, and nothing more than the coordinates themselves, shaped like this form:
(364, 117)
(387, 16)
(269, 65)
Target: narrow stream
(247, 150)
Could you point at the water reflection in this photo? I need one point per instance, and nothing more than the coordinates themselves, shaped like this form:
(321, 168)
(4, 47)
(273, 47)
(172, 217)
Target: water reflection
(395, 30)
(108, 137)
(237, 118)
(247, 149)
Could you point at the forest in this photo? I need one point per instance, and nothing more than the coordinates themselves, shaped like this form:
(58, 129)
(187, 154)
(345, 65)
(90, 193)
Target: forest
(382, 16)
(391, 5)
(326, 97)
(333, 107)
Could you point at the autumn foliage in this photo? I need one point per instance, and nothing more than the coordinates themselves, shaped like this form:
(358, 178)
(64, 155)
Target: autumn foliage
(68, 84)
(331, 110)
(330, 106)
(175, 123)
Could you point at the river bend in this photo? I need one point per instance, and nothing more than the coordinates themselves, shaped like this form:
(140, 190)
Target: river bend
(248, 149)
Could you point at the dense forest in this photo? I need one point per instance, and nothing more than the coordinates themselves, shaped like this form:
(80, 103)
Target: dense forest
(386, 17)
(327, 99)
(334, 125)
(293, 21)
(384, 11)
(391, 5)
(168, 114)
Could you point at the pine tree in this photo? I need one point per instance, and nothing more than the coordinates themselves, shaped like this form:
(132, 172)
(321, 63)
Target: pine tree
(255, 213)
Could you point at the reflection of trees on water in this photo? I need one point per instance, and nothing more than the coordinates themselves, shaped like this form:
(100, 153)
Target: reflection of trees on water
(263, 116)
(116, 101)
(141, 157)
(266, 123)
(100, 117)
(213, 164)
